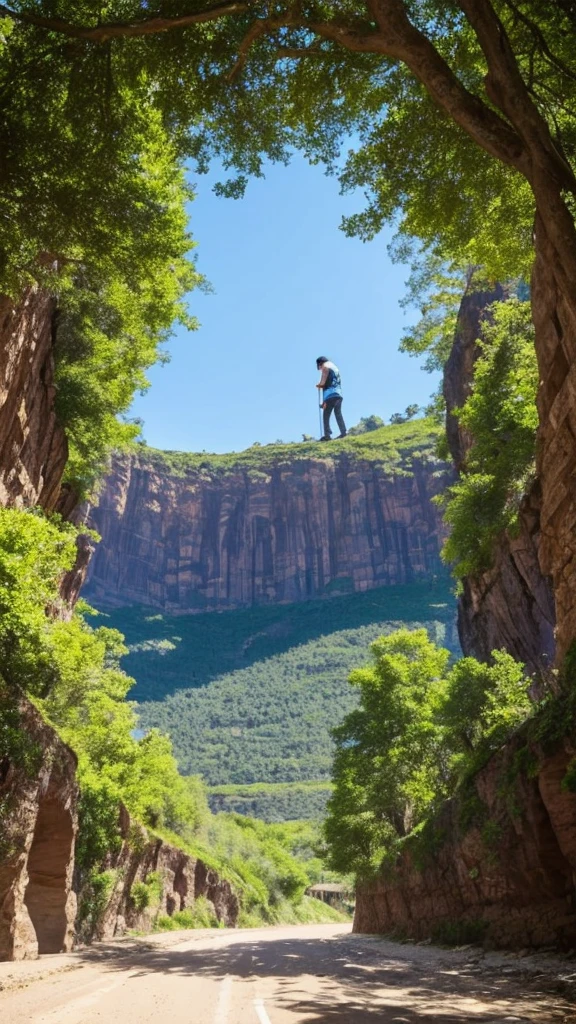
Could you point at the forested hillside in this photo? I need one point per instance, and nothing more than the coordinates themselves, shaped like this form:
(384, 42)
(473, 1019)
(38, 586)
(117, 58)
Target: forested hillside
(251, 696)
(275, 802)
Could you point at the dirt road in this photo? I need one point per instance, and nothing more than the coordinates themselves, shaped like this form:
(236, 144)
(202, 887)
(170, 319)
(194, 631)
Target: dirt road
(320, 974)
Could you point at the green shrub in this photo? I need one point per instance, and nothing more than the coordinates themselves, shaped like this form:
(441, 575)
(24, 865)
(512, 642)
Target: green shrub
(140, 895)
(96, 893)
(420, 732)
(200, 915)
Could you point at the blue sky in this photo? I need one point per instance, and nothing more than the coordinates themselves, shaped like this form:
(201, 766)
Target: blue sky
(288, 286)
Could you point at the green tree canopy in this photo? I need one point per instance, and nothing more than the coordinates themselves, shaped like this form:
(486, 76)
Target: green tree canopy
(455, 119)
(449, 105)
(419, 730)
(388, 765)
(93, 207)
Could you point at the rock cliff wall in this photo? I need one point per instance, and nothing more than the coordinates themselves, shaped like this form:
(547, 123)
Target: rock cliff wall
(40, 891)
(38, 788)
(211, 540)
(554, 312)
(38, 822)
(497, 865)
(33, 449)
(180, 879)
(511, 605)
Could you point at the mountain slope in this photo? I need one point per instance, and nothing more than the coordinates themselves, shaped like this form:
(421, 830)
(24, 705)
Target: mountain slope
(251, 696)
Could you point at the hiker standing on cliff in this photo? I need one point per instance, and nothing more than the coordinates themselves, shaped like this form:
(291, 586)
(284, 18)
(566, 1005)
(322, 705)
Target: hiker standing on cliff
(331, 386)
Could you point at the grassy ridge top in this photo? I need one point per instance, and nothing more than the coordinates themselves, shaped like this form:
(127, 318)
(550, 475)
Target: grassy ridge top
(393, 446)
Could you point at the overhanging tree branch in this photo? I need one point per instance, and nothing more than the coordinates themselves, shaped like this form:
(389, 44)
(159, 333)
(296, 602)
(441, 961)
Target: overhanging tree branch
(386, 30)
(114, 30)
(508, 90)
(485, 126)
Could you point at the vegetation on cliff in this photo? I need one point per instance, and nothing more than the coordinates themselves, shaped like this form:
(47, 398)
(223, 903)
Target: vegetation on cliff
(92, 208)
(464, 133)
(394, 447)
(502, 419)
(419, 729)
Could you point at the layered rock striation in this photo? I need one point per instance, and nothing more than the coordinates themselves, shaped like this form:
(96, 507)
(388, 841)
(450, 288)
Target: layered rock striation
(305, 527)
(179, 880)
(554, 313)
(43, 895)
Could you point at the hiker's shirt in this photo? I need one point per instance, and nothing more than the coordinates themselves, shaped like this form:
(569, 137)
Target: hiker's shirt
(330, 381)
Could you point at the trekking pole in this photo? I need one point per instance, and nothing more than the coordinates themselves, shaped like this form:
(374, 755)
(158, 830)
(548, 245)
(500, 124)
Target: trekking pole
(320, 416)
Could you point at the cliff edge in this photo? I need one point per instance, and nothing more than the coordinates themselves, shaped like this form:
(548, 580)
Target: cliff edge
(269, 525)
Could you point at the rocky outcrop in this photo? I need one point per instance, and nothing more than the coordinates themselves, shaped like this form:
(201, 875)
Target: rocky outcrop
(212, 540)
(496, 864)
(555, 323)
(459, 367)
(38, 825)
(510, 605)
(33, 449)
(38, 821)
(177, 878)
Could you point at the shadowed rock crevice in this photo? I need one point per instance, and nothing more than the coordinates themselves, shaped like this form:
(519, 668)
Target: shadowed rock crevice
(49, 860)
(38, 814)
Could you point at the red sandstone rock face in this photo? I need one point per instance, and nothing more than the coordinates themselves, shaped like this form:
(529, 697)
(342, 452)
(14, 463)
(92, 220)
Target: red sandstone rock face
(38, 820)
(555, 322)
(511, 605)
(459, 368)
(211, 541)
(512, 870)
(183, 879)
(38, 824)
(33, 449)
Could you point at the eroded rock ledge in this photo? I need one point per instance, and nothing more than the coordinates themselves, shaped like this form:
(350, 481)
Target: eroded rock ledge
(38, 824)
(511, 604)
(181, 879)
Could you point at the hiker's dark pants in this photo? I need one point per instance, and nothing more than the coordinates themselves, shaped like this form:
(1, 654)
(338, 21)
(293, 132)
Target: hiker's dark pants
(333, 405)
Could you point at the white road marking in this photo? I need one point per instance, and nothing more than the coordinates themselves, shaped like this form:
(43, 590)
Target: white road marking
(261, 1012)
(223, 1004)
